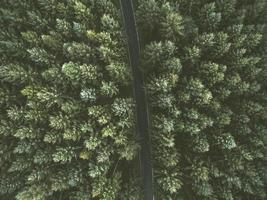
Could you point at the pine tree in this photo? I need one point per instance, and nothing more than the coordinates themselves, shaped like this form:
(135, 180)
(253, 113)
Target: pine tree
(66, 125)
(206, 91)
(67, 109)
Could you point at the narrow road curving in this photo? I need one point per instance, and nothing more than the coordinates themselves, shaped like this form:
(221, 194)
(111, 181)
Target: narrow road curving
(142, 120)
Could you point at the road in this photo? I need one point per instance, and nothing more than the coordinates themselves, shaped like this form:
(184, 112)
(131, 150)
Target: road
(142, 119)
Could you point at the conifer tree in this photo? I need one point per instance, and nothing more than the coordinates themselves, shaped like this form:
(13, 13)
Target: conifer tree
(67, 109)
(206, 77)
(66, 125)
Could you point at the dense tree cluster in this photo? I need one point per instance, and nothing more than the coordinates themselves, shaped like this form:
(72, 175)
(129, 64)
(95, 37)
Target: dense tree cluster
(66, 125)
(67, 108)
(205, 65)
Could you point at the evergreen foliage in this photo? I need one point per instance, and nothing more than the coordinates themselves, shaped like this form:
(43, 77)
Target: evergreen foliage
(206, 79)
(66, 125)
(67, 108)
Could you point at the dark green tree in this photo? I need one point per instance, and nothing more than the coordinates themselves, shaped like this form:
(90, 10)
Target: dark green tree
(66, 125)
(67, 109)
(205, 65)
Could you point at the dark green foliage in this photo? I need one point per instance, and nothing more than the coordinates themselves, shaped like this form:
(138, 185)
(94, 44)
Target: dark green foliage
(209, 114)
(67, 109)
(66, 125)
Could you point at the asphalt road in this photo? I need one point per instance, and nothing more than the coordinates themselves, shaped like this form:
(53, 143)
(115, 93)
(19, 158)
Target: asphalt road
(142, 119)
